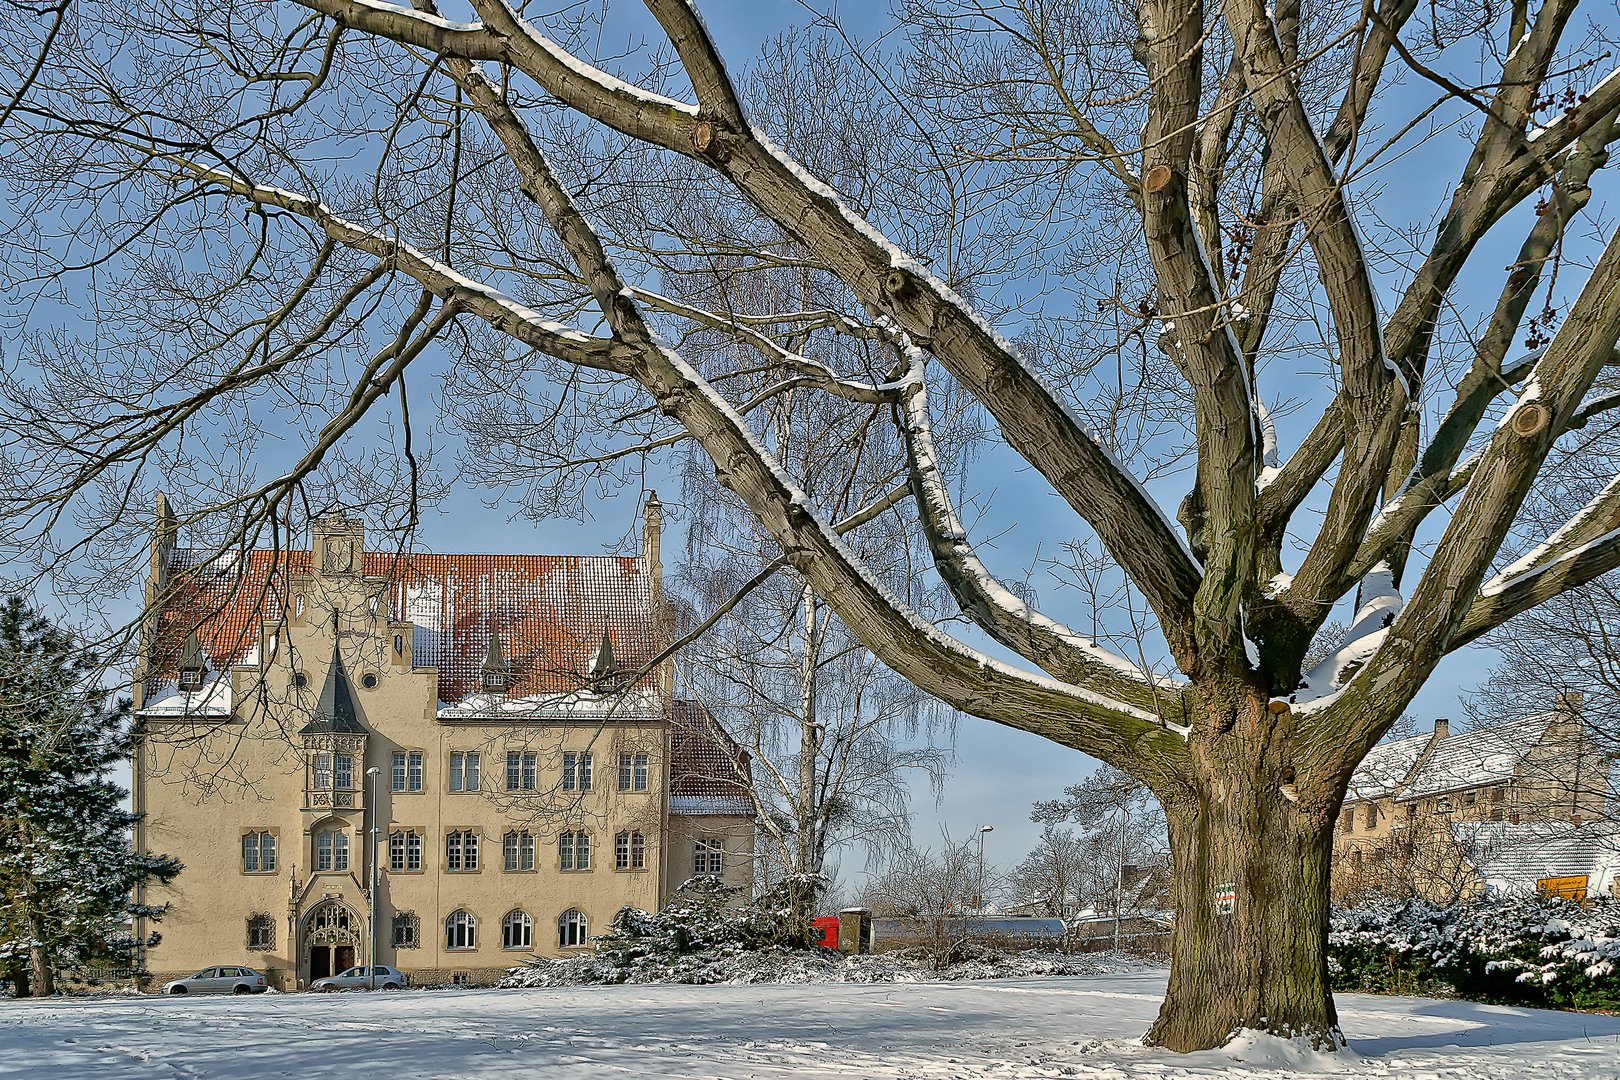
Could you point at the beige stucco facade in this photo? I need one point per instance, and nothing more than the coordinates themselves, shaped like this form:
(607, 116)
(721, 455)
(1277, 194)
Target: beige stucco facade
(259, 780)
(1405, 823)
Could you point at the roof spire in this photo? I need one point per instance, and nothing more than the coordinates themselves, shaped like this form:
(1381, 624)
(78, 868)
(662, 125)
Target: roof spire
(603, 667)
(334, 712)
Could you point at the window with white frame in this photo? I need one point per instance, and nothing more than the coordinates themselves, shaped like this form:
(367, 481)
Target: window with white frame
(259, 853)
(517, 931)
(629, 851)
(576, 770)
(331, 850)
(522, 770)
(405, 773)
(517, 849)
(461, 930)
(461, 851)
(407, 931)
(464, 765)
(633, 770)
(343, 772)
(706, 857)
(404, 852)
(321, 772)
(574, 850)
(261, 933)
(573, 930)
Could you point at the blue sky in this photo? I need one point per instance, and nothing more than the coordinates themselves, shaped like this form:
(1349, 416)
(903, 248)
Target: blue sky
(998, 773)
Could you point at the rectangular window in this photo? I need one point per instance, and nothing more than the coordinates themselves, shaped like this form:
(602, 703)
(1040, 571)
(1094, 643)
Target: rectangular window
(321, 773)
(509, 852)
(514, 761)
(413, 772)
(629, 851)
(343, 772)
(1372, 815)
(461, 851)
(517, 851)
(258, 853)
(526, 851)
(633, 770)
(397, 771)
(1347, 820)
(404, 852)
(531, 770)
(331, 851)
(706, 857)
(464, 770)
(576, 770)
(574, 851)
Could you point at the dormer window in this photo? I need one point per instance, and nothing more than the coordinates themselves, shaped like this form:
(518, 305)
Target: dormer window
(604, 674)
(497, 673)
(192, 667)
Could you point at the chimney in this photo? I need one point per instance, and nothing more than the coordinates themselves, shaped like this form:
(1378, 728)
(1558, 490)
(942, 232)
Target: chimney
(165, 531)
(1442, 729)
(652, 533)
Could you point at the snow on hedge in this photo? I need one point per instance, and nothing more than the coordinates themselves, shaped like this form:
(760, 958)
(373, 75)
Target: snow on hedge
(1524, 950)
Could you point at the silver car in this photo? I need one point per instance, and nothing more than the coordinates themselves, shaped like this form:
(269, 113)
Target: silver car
(219, 980)
(381, 977)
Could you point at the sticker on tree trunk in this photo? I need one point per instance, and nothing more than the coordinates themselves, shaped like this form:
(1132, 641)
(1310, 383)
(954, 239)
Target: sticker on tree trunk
(1225, 899)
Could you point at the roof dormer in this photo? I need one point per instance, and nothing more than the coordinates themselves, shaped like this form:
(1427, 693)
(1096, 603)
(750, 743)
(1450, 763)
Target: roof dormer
(497, 672)
(193, 668)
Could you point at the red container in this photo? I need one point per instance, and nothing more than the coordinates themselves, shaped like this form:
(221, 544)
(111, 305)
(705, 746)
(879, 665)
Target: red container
(826, 931)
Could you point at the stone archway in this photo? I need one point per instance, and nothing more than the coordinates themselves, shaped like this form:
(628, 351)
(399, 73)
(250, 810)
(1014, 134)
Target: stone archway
(331, 939)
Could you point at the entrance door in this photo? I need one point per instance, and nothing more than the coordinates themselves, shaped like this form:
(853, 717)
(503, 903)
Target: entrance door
(342, 957)
(320, 962)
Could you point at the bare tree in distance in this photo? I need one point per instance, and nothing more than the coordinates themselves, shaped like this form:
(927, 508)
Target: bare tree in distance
(934, 895)
(1122, 829)
(275, 209)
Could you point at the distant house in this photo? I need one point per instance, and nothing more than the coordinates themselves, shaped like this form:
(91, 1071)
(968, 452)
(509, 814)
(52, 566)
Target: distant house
(1419, 811)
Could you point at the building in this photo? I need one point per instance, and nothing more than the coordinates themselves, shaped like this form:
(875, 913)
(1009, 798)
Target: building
(1436, 815)
(491, 737)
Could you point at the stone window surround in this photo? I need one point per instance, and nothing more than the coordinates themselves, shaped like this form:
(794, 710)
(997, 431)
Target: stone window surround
(274, 832)
(478, 841)
(388, 851)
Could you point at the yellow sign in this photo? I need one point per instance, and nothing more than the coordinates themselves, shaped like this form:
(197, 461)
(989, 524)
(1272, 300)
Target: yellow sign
(1572, 887)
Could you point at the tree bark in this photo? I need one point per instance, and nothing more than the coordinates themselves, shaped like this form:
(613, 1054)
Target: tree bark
(1250, 877)
(41, 977)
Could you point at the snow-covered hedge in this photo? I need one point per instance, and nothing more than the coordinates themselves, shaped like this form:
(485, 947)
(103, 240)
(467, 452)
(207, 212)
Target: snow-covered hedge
(1525, 950)
(706, 935)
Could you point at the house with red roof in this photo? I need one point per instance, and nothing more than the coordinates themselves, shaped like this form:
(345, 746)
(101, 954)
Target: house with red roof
(439, 763)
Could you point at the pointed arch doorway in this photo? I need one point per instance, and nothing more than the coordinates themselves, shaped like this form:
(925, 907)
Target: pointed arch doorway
(331, 939)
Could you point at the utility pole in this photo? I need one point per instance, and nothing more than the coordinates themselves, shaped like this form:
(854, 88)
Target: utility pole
(1119, 878)
(371, 806)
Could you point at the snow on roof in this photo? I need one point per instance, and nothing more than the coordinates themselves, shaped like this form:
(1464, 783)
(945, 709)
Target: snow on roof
(1511, 857)
(214, 699)
(1386, 767)
(708, 771)
(640, 703)
(550, 611)
(1485, 755)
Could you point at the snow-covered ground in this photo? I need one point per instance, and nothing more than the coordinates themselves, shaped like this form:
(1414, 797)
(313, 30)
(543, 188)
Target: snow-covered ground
(1084, 1027)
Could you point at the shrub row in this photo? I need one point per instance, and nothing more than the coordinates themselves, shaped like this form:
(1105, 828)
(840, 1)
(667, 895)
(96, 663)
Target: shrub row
(1535, 951)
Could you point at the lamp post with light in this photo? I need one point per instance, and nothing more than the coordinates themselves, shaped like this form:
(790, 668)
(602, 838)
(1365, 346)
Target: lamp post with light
(982, 830)
(371, 806)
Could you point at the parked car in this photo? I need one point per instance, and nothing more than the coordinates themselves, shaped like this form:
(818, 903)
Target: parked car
(381, 977)
(219, 980)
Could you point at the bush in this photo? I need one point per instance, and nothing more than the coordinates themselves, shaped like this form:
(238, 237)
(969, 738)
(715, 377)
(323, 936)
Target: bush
(1537, 951)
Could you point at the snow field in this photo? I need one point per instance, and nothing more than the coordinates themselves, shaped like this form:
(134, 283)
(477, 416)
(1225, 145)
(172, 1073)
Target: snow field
(1085, 1027)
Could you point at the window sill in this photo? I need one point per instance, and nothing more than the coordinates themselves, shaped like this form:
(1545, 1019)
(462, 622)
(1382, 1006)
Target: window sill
(630, 870)
(405, 873)
(531, 870)
(517, 948)
(258, 873)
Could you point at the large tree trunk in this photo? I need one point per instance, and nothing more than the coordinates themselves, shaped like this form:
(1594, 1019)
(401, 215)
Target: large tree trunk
(1250, 878)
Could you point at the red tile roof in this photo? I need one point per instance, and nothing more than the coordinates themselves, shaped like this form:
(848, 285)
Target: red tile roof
(706, 766)
(550, 612)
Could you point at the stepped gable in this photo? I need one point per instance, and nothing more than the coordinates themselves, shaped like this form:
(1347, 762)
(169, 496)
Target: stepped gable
(550, 612)
(708, 771)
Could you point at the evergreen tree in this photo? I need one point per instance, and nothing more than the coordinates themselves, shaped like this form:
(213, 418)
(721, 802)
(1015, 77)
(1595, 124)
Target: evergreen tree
(68, 869)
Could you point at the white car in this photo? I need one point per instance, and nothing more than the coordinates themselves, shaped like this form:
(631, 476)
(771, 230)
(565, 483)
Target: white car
(380, 977)
(219, 980)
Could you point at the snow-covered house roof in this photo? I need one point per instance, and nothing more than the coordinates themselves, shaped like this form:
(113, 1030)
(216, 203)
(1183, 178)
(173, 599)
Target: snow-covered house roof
(708, 771)
(1386, 767)
(1513, 857)
(550, 613)
(1485, 755)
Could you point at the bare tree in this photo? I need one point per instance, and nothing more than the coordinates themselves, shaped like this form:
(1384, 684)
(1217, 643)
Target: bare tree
(1122, 829)
(273, 209)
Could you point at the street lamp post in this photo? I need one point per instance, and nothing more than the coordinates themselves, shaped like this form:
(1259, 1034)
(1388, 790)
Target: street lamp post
(982, 830)
(371, 807)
